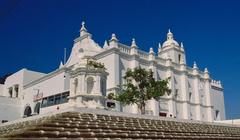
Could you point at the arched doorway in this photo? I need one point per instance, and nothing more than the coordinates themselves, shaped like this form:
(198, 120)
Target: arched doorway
(37, 108)
(27, 111)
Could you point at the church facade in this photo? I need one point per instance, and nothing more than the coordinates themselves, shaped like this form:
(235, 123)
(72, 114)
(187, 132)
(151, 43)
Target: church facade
(92, 72)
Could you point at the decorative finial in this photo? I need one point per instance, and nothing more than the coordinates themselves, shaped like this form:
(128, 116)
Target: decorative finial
(114, 38)
(182, 45)
(195, 65)
(206, 70)
(133, 43)
(169, 31)
(105, 44)
(169, 35)
(83, 27)
(151, 51)
(61, 65)
(159, 45)
(83, 30)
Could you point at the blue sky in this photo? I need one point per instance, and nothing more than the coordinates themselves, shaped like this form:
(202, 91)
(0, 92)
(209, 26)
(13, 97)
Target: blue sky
(33, 34)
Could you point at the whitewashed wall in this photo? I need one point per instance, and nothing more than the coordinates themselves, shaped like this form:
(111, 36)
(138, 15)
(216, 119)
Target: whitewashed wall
(9, 108)
(1, 89)
(218, 102)
(50, 86)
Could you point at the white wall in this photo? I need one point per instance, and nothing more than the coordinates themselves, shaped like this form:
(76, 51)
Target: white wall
(1, 89)
(20, 78)
(9, 108)
(51, 86)
(29, 76)
(16, 78)
(218, 102)
(111, 62)
(54, 108)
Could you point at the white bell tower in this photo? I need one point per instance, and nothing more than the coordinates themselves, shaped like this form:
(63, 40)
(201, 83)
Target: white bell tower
(171, 49)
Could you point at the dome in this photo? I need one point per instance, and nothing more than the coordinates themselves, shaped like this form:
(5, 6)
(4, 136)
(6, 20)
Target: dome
(170, 40)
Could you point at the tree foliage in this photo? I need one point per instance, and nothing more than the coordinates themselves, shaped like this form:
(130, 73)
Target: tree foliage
(140, 87)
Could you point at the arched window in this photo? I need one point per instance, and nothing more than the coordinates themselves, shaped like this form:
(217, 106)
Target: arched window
(27, 111)
(37, 108)
(90, 84)
(179, 58)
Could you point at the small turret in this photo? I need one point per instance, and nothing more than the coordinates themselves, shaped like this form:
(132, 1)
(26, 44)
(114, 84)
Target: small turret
(114, 38)
(151, 54)
(134, 47)
(195, 68)
(195, 65)
(113, 41)
(206, 74)
(159, 47)
(169, 35)
(105, 44)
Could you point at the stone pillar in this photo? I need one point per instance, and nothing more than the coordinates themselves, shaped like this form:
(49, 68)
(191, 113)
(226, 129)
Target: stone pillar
(185, 92)
(97, 85)
(208, 95)
(13, 91)
(116, 68)
(171, 102)
(197, 98)
(82, 85)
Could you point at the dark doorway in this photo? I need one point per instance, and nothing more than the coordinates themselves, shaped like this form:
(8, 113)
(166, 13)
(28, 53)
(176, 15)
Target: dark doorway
(37, 108)
(27, 111)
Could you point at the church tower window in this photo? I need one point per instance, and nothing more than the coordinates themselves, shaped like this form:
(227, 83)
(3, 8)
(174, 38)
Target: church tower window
(179, 58)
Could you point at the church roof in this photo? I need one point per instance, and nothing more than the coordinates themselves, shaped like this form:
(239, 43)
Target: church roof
(170, 40)
(96, 125)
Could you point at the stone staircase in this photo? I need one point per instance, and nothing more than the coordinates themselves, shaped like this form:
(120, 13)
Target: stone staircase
(99, 126)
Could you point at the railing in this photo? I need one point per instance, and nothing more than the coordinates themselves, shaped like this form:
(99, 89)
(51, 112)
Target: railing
(143, 54)
(216, 83)
(124, 48)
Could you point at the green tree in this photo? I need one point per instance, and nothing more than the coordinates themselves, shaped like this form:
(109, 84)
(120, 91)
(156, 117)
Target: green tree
(140, 87)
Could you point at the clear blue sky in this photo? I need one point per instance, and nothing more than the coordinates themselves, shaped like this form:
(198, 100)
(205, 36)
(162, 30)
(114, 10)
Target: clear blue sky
(33, 33)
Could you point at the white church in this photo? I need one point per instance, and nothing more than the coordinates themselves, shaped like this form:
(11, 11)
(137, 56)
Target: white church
(92, 72)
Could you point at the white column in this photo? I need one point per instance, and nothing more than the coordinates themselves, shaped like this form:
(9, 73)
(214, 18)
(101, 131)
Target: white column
(97, 85)
(208, 100)
(197, 98)
(171, 102)
(13, 92)
(185, 95)
(83, 82)
(116, 70)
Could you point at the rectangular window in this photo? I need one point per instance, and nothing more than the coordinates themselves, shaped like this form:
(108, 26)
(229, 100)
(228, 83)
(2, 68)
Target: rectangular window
(57, 99)
(50, 101)
(44, 102)
(64, 97)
